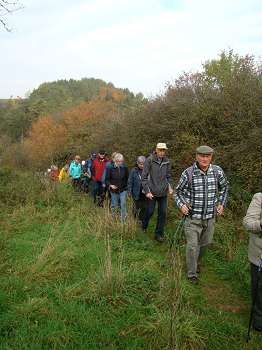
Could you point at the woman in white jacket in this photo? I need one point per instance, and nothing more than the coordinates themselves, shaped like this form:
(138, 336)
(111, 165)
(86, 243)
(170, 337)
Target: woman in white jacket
(253, 223)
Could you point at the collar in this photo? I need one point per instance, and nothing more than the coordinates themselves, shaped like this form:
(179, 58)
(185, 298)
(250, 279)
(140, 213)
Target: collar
(199, 171)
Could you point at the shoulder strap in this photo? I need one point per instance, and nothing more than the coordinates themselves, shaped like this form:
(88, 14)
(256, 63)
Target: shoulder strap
(189, 172)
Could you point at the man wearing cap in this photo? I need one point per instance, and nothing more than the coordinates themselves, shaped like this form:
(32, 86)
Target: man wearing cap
(156, 182)
(201, 194)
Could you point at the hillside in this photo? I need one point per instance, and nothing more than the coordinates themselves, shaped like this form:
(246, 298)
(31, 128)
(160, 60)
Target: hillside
(53, 98)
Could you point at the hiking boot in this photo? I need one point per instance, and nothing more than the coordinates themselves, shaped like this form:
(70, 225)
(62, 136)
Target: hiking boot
(160, 239)
(193, 280)
(257, 329)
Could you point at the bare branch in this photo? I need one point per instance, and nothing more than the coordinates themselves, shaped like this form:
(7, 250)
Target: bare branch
(8, 7)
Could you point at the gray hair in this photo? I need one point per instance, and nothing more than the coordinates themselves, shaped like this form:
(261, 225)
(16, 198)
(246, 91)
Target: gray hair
(141, 159)
(118, 157)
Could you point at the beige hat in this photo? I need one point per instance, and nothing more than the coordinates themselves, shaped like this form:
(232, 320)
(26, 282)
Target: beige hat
(161, 145)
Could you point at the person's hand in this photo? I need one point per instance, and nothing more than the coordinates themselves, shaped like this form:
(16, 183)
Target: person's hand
(220, 209)
(170, 190)
(149, 195)
(184, 209)
(104, 185)
(113, 187)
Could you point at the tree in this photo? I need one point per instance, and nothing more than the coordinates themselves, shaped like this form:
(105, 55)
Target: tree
(7, 7)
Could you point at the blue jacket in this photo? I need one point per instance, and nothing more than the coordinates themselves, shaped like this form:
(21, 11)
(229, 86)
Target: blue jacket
(134, 185)
(75, 170)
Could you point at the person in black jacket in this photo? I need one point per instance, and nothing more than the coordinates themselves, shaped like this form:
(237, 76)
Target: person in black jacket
(116, 180)
(135, 189)
(156, 182)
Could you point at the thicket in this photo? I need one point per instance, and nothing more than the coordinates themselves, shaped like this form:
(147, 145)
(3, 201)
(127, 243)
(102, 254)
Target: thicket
(220, 106)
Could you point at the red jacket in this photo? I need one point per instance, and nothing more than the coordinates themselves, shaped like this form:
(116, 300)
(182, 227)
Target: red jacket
(98, 168)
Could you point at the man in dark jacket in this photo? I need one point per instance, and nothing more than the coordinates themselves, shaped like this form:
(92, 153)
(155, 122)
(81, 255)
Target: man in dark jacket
(156, 182)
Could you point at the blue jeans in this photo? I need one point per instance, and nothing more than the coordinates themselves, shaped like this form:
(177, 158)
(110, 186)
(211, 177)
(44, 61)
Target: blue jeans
(161, 214)
(119, 200)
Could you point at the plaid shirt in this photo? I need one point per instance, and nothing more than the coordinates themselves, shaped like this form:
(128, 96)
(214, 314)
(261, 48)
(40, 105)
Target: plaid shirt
(202, 191)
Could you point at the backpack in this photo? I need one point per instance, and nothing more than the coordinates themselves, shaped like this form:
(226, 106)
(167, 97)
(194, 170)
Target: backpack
(190, 171)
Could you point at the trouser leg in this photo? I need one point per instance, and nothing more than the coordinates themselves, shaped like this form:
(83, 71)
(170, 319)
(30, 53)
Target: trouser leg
(193, 229)
(142, 204)
(161, 215)
(206, 236)
(256, 293)
(122, 197)
(95, 190)
(150, 207)
(114, 202)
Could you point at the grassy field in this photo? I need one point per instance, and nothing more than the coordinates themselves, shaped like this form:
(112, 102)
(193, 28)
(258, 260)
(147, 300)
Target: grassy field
(72, 277)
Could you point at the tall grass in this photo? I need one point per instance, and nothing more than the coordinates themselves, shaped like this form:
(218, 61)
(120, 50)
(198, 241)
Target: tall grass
(74, 277)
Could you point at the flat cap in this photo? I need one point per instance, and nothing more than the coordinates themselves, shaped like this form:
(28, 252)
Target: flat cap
(204, 150)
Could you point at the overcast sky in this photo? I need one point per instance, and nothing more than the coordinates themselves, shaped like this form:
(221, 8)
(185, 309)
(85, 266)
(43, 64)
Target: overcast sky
(135, 44)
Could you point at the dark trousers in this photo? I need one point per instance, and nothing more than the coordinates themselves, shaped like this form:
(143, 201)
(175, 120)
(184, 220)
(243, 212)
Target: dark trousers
(256, 293)
(98, 191)
(76, 184)
(86, 181)
(139, 207)
(161, 214)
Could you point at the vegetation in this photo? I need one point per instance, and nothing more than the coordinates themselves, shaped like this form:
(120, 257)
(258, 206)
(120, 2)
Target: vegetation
(220, 106)
(72, 277)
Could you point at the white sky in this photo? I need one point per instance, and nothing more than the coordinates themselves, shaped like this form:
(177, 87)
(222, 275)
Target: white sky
(135, 44)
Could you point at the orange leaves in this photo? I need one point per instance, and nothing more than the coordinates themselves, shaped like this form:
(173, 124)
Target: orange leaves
(111, 93)
(47, 138)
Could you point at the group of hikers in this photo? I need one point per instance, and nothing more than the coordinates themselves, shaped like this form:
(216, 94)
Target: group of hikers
(201, 195)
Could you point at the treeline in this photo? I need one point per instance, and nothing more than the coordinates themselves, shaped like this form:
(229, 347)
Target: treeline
(220, 106)
(17, 114)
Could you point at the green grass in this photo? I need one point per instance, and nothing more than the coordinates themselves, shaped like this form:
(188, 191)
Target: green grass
(74, 278)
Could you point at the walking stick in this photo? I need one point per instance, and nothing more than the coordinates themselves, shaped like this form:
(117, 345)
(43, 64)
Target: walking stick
(179, 227)
(254, 299)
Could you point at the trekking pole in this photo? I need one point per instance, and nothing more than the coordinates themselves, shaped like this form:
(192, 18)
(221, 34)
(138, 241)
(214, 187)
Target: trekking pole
(254, 299)
(179, 227)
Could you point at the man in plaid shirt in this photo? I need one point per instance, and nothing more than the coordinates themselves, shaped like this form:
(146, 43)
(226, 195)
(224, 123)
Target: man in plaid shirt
(201, 194)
